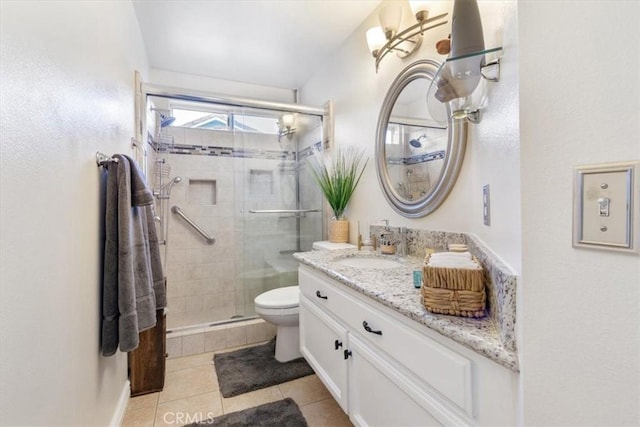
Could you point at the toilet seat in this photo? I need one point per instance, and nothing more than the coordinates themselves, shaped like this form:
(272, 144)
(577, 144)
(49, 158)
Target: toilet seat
(280, 298)
(282, 313)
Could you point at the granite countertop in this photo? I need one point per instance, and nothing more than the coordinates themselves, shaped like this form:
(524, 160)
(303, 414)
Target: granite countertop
(393, 287)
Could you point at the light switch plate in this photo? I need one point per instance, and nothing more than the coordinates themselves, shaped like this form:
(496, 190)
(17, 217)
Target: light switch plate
(606, 206)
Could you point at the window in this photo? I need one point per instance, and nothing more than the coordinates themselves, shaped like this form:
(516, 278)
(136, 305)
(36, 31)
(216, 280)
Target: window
(200, 118)
(393, 133)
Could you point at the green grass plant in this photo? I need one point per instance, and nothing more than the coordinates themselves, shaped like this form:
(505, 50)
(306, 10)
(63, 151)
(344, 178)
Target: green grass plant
(339, 176)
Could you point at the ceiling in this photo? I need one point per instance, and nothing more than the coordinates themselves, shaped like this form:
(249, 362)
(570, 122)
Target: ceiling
(276, 43)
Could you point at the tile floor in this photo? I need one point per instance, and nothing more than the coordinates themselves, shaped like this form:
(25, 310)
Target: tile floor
(191, 394)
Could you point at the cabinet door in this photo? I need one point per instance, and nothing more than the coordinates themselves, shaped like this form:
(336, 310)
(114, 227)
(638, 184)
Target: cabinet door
(377, 395)
(322, 342)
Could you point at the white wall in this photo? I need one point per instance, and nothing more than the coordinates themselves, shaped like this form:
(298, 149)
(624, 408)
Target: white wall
(67, 92)
(579, 104)
(220, 86)
(492, 157)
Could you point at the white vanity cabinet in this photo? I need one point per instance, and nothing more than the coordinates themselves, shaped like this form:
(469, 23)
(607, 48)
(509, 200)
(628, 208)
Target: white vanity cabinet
(386, 370)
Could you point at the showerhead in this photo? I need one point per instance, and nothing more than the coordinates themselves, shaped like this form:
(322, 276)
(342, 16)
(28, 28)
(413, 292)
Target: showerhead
(168, 185)
(415, 143)
(165, 118)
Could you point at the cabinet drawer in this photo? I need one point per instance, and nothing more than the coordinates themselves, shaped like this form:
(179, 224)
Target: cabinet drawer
(320, 291)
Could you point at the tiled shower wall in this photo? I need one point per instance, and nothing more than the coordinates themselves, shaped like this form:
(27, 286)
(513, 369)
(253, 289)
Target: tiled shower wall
(210, 283)
(200, 277)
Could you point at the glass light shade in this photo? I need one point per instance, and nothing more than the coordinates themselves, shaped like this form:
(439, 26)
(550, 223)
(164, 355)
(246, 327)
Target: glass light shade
(390, 17)
(467, 105)
(420, 9)
(287, 120)
(375, 39)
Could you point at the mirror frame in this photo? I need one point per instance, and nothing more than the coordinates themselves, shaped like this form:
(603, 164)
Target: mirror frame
(456, 146)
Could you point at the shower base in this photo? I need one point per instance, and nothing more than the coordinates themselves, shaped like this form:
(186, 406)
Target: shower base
(196, 339)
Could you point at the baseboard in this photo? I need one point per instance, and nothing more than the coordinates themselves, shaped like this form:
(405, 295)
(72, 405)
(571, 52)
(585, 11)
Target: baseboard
(123, 401)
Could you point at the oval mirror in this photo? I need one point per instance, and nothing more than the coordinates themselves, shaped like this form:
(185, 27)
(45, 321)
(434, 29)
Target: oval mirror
(417, 159)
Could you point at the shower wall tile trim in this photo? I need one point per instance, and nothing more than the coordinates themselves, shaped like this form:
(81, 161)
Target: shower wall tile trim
(197, 150)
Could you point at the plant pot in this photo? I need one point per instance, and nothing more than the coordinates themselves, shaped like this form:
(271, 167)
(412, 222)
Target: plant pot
(338, 230)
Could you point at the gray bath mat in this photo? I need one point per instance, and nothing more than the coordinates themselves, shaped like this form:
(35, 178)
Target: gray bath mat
(254, 368)
(283, 413)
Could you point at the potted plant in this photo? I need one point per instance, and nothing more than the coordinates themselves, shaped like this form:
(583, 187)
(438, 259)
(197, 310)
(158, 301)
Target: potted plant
(338, 179)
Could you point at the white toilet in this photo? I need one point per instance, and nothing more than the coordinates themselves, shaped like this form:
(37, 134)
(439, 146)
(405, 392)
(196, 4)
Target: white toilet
(281, 306)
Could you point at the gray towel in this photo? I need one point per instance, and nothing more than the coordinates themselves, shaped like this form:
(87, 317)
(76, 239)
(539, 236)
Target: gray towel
(133, 286)
(142, 196)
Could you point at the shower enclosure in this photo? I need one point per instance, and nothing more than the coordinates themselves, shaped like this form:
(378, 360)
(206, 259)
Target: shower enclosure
(239, 174)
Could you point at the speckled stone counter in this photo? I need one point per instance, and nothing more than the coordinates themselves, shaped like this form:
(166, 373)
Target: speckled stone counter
(393, 287)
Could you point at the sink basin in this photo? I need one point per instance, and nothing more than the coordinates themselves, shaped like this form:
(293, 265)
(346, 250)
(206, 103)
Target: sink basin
(369, 262)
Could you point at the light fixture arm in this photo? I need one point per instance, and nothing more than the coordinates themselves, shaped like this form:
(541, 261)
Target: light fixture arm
(406, 36)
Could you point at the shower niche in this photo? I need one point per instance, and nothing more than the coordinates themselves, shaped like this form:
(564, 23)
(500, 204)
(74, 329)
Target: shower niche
(246, 182)
(202, 192)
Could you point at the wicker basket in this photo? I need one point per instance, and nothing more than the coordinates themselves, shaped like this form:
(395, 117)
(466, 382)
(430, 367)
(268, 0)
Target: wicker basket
(454, 291)
(338, 231)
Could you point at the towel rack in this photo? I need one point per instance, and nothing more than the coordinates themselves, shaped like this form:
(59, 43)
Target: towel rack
(103, 159)
(272, 211)
(176, 210)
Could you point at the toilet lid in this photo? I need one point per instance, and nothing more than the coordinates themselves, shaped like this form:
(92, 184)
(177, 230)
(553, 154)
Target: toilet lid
(286, 297)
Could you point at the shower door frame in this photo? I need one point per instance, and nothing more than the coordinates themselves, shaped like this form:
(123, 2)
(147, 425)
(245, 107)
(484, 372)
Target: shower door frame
(211, 97)
(182, 94)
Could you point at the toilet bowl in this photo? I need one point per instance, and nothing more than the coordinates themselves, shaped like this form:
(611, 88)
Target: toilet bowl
(281, 307)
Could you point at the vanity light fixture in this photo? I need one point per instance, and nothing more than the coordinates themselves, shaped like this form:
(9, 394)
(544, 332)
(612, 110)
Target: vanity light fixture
(461, 79)
(387, 37)
(285, 126)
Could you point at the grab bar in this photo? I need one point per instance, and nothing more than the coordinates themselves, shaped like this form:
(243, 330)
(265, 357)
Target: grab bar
(176, 210)
(285, 211)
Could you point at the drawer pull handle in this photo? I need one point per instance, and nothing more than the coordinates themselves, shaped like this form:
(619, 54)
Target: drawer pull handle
(338, 344)
(347, 353)
(319, 295)
(367, 328)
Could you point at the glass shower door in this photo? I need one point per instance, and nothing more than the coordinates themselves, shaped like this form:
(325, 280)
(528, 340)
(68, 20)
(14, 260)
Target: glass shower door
(281, 210)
